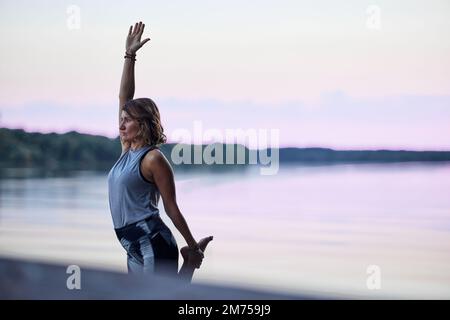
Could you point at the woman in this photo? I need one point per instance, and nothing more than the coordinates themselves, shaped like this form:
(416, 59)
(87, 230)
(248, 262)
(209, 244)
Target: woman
(139, 177)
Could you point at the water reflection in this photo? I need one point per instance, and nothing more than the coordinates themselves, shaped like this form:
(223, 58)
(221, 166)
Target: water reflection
(313, 228)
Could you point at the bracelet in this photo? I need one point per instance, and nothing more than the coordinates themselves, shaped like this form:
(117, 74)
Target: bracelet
(130, 56)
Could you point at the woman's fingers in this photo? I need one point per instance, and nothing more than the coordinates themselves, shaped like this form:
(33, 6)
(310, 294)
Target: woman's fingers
(136, 33)
(137, 30)
(144, 41)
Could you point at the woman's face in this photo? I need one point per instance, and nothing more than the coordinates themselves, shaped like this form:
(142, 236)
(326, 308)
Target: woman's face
(128, 127)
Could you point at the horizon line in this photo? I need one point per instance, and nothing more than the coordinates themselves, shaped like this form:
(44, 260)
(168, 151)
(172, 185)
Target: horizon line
(282, 146)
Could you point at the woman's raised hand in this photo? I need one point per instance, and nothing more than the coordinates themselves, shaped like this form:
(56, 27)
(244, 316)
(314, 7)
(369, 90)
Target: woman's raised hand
(134, 42)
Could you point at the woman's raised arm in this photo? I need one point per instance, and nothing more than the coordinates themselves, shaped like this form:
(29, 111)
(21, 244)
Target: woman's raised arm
(132, 45)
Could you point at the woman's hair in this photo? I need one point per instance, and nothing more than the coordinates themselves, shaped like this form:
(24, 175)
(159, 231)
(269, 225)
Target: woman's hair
(146, 113)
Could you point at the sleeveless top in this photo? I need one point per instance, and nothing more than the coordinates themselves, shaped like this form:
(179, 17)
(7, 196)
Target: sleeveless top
(131, 197)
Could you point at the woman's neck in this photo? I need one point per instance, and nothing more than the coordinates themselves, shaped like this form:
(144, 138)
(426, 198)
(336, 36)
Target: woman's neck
(136, 145)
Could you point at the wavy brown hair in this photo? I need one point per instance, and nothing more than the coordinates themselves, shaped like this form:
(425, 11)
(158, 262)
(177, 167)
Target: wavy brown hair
(146, 113)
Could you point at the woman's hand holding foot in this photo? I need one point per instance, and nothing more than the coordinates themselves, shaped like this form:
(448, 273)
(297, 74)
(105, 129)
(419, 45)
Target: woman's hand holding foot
(194, 257)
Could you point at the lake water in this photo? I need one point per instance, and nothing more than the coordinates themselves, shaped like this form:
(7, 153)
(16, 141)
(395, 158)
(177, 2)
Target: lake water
(309, 229)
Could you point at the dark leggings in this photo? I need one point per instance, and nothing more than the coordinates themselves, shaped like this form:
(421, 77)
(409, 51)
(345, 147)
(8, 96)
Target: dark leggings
(150, 246)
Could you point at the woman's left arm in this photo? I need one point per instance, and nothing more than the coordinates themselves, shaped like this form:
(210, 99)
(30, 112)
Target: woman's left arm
(156, 165)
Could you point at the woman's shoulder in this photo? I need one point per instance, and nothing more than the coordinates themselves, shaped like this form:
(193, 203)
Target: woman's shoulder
(155, 158)
(154, 154)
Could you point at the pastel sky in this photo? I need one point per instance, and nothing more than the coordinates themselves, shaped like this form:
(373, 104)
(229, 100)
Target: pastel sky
(341, 74)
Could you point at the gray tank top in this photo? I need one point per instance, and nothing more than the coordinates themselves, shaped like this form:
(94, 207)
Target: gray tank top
(131, 196)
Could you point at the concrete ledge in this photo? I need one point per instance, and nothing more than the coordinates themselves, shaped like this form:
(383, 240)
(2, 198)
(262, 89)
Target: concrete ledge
(21, 279)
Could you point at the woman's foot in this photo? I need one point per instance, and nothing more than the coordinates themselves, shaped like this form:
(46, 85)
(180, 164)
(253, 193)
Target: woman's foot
(202, 244)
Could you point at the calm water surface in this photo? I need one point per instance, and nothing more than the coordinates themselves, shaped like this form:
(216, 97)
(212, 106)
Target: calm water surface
(306, 229)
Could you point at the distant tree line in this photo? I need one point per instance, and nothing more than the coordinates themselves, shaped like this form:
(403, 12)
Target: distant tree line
(32, 149)
(293, 155)
(83, 151)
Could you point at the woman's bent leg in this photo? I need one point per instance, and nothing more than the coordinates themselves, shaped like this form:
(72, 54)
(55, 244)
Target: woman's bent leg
(166, 253)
